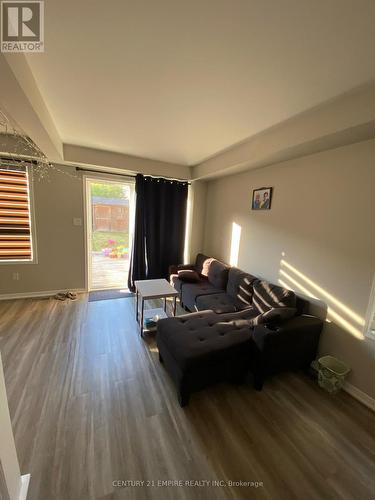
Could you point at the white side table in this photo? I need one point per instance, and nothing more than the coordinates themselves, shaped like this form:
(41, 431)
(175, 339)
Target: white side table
(153, 289)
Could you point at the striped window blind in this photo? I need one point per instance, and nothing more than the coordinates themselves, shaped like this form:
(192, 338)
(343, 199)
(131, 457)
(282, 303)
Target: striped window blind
(15, 223)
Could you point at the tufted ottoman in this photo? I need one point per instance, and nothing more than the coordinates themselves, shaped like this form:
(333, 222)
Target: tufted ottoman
(203, 348)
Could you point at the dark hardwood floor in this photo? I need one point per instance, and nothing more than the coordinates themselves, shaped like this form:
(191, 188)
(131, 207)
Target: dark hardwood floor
(91, 405)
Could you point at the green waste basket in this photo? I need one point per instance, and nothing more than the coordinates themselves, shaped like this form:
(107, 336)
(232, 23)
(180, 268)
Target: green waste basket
(331, 373)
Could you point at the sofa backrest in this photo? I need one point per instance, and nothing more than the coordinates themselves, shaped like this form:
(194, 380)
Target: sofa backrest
(302, 306)
(202, 264)
(213, 269)
(246, 289)
(218, 274)
(240, 286)
(267, 296)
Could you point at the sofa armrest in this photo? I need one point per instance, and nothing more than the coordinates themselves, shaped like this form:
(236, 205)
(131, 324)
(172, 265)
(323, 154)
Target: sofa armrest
(289, 333)
(196, 315)
(173, 269)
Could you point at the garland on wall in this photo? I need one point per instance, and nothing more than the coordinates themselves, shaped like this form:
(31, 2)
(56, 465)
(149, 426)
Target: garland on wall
(17, 149)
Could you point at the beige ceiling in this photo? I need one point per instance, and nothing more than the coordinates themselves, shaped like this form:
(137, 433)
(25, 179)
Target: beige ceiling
(179, 80)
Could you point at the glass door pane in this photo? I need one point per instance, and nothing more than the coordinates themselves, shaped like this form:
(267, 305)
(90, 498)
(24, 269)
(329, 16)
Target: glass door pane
(109, 220)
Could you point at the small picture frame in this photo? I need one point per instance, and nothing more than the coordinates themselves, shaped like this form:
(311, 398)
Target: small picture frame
(262, 198)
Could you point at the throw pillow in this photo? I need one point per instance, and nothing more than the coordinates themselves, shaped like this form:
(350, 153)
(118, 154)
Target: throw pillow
(276, 314)
(188, 275)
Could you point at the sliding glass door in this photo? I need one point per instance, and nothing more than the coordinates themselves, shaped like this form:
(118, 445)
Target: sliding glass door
(110, 209)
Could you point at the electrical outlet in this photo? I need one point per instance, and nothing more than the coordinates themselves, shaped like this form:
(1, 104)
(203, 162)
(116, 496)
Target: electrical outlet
(16, 276)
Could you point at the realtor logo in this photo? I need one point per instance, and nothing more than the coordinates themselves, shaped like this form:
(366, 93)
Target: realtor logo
(22, 26)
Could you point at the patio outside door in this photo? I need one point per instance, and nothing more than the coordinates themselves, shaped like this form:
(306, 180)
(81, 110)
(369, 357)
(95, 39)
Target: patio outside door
(109, 232)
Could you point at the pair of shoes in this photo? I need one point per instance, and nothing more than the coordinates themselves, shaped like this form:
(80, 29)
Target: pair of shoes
(60, 296)
(67, 295)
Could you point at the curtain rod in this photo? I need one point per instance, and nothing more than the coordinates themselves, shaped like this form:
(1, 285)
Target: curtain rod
(29, 159)
(127, 175)
(20, 159)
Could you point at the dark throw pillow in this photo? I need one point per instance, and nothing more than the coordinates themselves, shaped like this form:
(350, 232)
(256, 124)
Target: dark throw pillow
(276, 315)
(188, 275)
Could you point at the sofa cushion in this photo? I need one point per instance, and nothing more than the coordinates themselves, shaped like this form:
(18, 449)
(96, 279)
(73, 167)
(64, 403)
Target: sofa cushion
(190, 292)
(213, 269)
(240, 287)
(202, 263)
(267, 296)
(188, 275)
(202, 338)
(218, 274)
(217, 302)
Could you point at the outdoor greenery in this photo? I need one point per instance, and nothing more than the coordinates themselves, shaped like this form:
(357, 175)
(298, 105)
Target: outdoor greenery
(108, 190)
(101, 239)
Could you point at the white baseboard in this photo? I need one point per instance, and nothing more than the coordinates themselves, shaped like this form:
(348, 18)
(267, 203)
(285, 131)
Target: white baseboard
(30, 295)
(25, 480)
(360, 395)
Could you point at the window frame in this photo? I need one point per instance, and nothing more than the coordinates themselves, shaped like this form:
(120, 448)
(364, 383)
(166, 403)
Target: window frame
(370, 315)
(33, 241)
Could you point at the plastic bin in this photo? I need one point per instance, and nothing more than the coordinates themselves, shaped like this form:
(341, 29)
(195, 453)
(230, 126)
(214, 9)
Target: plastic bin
(331, 373)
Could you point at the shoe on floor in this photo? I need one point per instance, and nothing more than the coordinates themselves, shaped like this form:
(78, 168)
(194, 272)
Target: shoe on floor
(61, 296)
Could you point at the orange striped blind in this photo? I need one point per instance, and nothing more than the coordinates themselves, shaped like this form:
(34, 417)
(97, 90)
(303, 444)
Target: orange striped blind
(15, 231)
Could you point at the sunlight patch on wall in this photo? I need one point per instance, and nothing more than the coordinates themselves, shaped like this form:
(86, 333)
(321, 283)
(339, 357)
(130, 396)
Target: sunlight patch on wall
(235, 244)
(309, 288)
(323, 293)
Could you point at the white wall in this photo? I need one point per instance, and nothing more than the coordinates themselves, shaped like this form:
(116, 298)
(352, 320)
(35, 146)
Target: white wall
(196, 219)
(321, 223)
(60, 245)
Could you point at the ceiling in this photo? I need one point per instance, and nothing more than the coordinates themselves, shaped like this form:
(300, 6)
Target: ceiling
(180, 81)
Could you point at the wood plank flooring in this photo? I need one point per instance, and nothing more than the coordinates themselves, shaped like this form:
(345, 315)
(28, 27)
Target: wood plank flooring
(91, 405)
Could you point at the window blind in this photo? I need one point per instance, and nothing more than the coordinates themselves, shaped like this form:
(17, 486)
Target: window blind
(15, 229)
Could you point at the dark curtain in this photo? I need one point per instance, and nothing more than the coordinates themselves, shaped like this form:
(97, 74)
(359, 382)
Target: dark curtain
(159, 230)
(137, 266)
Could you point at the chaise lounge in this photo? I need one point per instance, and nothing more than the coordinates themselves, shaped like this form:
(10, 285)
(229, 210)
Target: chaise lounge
(240, 323)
